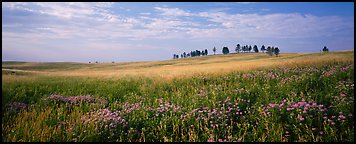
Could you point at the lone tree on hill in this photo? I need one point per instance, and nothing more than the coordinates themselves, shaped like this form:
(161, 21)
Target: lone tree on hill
(225, 50)
(206, 51)
(214, 50)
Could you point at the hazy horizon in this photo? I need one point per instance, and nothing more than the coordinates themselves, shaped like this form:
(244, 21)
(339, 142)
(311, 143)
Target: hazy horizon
(147, 31)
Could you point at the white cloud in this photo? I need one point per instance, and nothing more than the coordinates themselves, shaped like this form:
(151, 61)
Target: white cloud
(173, 11)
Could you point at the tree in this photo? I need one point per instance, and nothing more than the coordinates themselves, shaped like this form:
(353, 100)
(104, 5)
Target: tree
(249, 48)
(225, 50)
(269, 50)
(272, 49)
(255, 49)
(263, 48)
(276, 51)
(206, 51)
(238, 48)
(214, 50)
(197, 53)
(325, 49)
(184, 55)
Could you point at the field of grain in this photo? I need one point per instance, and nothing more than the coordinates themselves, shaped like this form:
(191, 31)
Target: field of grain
(237, 97)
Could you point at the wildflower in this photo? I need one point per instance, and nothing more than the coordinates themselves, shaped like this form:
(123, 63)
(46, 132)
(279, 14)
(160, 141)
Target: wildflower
(209, 140)
(229, 137)
(239, 140)
(301, 118)
(350, 115)
(332, 123)
(321, 132)
(343, 95)
(313, 129)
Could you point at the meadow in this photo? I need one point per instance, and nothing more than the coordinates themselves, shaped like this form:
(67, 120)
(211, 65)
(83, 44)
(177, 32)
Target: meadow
(295, 97)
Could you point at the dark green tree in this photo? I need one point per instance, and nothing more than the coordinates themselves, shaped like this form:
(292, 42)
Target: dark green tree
(238, 48)
(269, 51)
(197, 53)
(276, 51)
(225, 50)
(206, 51)
(249, 48)
(214, 50)
(263, 48)
(255, 48)
(325, 49)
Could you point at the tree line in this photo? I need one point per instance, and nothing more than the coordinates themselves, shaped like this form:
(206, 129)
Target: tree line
(191, 54)
(270, 50)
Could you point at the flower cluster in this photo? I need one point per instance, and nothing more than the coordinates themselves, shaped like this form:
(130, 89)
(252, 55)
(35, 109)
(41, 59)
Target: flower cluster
(77, 99)
(17, 106)
(329, 73)
(105, 119)
(164, 107)
(224, 114)
(127, 107)
(345, 68)
(306, 109)
(293, 78)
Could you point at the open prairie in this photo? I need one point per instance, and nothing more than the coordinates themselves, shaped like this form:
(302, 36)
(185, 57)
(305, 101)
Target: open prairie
(248, 97)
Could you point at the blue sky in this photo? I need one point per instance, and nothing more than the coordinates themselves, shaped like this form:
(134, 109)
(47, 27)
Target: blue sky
(122, 32)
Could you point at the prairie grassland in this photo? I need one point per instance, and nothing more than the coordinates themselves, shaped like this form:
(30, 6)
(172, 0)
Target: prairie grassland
(237, 97)
(168, 69)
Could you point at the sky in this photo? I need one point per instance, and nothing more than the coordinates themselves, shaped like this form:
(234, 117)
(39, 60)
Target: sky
(149, 31)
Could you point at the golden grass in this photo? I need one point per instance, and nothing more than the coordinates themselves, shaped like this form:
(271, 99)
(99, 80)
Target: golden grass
(168, 69)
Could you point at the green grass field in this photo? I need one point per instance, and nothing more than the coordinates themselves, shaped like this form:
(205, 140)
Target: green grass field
(304, 97)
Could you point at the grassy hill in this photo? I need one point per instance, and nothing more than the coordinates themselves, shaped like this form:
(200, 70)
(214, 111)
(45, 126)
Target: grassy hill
(247, 97)
(213, 64)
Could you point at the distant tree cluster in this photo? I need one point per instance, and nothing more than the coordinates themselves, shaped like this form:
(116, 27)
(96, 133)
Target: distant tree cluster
(191, 54)
(248, 48)
(225, 50)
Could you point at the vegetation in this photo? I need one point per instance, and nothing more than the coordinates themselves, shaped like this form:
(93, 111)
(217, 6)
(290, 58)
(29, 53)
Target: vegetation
(292, 97)
(225, 50)
(325, 49)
